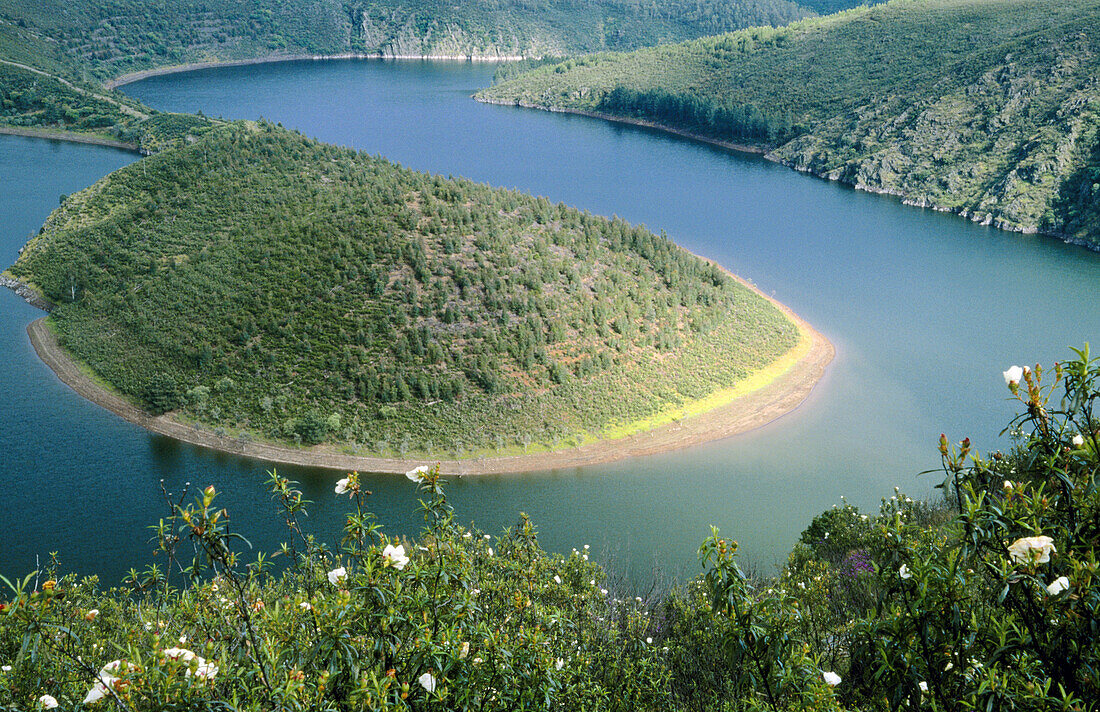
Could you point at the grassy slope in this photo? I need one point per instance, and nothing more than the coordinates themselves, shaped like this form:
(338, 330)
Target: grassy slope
(296, 290)
(983, 107)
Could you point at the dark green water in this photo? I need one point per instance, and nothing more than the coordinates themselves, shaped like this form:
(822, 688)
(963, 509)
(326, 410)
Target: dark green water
(925, 310)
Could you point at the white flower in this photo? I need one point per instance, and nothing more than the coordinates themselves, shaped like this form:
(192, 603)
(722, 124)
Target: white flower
(183, 639)
(1078, 440)
(649, 641)
(488, 537)
(342, 485)
(557, 579)
(396, 556)
(923, 686)
(1009, 486)
(91, 615)
(5, 668)
(603, 591)
(904, 572)
(559, 664)
(104, 683)
(1058, 585)
(490, 551)
(1013, 376)
(305, 606)
(336, 575)
(1032, 549)
(465, 650)
(47, 702)
(205, 670)
(831, 678)
(179, 654)
(427, 682)
(417, 475)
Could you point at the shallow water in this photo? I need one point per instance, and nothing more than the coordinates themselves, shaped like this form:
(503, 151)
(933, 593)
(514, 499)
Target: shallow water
(925, 310)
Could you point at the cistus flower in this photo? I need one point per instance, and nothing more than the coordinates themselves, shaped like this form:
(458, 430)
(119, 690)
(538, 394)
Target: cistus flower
(1078, 440)
(1013, 376)
(343, 485)
(1032, 549)
(904, 572)
(831, 678)
(90, 615)
(203, 671)
(1058, 585)
(105, 682)
(335, 576)
(47, 702)
(427, 682)
(559, 664)
(395, 556)
(417, 474)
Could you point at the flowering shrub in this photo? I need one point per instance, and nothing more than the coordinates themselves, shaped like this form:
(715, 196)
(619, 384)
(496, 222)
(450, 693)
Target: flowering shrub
(987, 600)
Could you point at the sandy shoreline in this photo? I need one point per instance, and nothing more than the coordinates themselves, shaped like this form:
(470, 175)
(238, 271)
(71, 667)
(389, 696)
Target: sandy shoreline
(753, 410)
(192, 66)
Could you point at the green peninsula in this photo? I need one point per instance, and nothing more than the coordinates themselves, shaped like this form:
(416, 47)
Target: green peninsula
(985, 108)
(264, 285)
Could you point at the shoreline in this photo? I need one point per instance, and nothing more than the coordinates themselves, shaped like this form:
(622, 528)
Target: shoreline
(132, 77)
(905, 199)
(781, 395)
(739, 147)
(69, 136)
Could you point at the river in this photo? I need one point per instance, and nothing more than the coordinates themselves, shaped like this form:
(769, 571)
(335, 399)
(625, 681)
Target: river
(925, 310)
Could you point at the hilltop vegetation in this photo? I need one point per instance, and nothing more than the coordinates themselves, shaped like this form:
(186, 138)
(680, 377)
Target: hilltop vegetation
(986, 600)
(268, 284)
(31, 100)
(984, 107)
(108, 39)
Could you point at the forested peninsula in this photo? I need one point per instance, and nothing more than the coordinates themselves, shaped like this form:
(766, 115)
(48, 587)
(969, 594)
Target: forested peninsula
(268, 287)
(985, 108)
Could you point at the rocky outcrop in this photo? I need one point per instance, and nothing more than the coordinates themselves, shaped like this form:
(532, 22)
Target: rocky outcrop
(29, 294)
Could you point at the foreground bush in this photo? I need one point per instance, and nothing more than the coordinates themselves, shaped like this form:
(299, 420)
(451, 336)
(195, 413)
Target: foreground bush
(987, 600)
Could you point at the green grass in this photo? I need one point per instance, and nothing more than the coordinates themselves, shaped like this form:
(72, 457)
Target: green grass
(262, 282)
(984, 107)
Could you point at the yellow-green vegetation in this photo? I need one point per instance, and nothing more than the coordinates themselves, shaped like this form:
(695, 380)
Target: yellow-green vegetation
(985, 600)
(983, 107)
(261, 282)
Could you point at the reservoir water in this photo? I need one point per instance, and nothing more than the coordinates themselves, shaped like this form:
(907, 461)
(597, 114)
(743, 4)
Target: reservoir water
(925, 310)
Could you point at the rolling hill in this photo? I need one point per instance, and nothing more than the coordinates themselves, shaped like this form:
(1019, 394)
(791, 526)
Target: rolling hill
(986, 108)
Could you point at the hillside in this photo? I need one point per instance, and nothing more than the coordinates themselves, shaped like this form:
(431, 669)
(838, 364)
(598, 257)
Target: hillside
(263, 283)
(108, 39)
(987, 108)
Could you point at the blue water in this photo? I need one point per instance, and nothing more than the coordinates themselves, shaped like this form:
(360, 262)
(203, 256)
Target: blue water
(925, 310)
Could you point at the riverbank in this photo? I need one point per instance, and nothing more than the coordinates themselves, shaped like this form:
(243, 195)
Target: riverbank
(760, 399)
(740, 147)
(272, 59)
(69, 136)
(833, 176)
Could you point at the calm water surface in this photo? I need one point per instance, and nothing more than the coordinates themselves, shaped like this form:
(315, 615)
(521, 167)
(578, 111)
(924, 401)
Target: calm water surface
(925, 310)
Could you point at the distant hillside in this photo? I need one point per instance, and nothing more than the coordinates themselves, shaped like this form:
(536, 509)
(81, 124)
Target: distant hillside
(269, 284)
(109, 38)
(987, 108)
